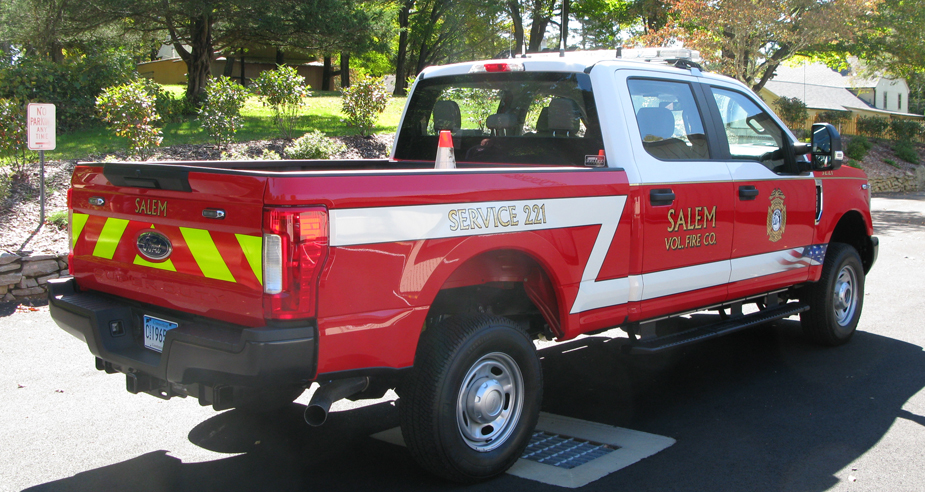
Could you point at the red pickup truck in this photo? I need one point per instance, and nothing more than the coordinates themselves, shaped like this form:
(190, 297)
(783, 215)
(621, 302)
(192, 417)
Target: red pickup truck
(587, 192)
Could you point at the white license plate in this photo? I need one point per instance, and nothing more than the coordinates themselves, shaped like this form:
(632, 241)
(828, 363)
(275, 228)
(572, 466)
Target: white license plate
(156, 331)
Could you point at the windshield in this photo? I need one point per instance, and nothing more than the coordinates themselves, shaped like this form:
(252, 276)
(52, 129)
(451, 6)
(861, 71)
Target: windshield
(507, 118)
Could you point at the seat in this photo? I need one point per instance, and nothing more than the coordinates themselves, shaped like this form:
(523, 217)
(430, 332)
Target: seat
(563, 118)
(657, 127)
(501, 124)
(446, 116)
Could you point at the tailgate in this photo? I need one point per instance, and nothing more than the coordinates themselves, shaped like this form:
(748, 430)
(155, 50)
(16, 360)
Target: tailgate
(176, 237)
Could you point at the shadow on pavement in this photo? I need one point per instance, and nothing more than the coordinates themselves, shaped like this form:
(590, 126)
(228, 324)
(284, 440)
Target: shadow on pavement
(758, 410)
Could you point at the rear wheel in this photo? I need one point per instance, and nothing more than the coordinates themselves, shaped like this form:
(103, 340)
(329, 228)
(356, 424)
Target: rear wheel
(469, 407)
(836, 300)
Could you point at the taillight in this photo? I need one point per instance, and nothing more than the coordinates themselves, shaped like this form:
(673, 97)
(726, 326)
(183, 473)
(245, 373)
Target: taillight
(295, 244)
(493, 67)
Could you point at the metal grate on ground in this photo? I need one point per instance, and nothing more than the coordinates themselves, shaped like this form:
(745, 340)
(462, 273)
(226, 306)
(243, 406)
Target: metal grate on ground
(564, 451)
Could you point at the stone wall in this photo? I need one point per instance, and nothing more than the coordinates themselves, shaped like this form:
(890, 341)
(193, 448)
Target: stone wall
(26, 276)
(893, 184)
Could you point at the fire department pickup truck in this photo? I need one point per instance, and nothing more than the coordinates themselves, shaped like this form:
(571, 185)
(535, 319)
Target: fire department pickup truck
(569, 196)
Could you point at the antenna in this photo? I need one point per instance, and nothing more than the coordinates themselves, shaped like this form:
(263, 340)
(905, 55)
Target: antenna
(563, 29)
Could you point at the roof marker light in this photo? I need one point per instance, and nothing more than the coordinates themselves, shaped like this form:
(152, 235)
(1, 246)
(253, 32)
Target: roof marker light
(497, 67)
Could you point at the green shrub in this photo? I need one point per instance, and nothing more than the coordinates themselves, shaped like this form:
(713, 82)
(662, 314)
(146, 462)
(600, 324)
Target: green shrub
(58, 219)
(129, 110)
(907, 152)
(854, 164)
(284, 90)
(13, 136)
(363, 102)
(240, 154)
(313, 145)
(834, 117)
(793, 111)
(173, 109)
(858, 147)
(872, 126)
(72, 85)
(905, 130)
(891, 162)
(221, 112)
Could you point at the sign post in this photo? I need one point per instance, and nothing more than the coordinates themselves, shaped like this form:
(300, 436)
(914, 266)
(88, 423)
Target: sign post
(41, 130)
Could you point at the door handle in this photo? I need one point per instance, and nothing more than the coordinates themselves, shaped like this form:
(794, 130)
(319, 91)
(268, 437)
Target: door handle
(748, 192)
(661, 196)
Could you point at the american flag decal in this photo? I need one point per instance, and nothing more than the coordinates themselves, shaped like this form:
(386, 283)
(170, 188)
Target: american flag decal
(806, 256)
(815, 253)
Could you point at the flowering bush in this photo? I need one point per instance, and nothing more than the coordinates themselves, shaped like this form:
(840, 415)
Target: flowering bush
(129, 109)
(221, 113)
(363, 102)
(284, 90)
(13, 135)
(313, 145)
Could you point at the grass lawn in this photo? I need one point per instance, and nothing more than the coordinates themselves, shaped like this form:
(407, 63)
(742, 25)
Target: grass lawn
(321, 112)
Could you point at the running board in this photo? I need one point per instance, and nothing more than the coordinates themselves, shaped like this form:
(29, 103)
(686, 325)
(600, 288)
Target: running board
(714, 330)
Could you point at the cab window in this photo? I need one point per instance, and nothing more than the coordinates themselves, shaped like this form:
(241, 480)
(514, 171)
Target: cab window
(669, 121)
(751, 133)
(526, 118)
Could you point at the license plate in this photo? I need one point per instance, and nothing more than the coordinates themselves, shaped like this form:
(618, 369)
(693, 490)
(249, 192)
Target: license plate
(156, 331)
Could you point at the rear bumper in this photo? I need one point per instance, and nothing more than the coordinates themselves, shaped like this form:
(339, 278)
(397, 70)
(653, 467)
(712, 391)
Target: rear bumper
(198, 352)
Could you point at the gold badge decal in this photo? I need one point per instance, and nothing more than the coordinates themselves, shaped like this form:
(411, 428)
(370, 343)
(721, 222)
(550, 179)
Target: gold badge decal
(777, 216)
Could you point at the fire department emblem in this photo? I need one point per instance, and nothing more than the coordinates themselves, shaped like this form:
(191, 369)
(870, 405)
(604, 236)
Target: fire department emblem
(777, 216)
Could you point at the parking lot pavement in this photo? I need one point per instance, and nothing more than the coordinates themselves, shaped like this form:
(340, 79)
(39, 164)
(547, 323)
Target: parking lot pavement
(758, 410)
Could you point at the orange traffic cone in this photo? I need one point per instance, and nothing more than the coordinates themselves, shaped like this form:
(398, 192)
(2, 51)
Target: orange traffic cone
(446, 156)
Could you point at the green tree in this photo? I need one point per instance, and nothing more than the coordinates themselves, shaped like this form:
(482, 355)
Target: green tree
(749, 40)
(198, 28)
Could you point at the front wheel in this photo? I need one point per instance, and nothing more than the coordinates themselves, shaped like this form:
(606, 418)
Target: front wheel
(469, 407)
(835, 301)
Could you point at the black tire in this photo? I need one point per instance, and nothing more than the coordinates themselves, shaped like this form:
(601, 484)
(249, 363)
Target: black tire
(835, 301)
(449, 431)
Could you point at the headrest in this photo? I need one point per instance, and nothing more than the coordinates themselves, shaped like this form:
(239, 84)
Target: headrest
(564, 115)
(657, 122)
(446, 116)
(501, 121)
(542, 122)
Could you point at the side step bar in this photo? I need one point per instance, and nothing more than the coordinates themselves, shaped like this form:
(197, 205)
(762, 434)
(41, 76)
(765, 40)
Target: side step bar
(714, 330)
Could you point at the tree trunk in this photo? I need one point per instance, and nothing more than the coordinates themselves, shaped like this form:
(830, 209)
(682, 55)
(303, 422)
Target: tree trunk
(326, 74)
(400, 71)
(538, 28)
(518, 21)
(344, 70)
(199, 59)
(280, 57)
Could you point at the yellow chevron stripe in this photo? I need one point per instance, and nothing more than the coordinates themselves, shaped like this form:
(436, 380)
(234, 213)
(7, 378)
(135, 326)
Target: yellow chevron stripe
(78, 221)
(109, 238)
(164, 265)
(252, 246)
(206, 254)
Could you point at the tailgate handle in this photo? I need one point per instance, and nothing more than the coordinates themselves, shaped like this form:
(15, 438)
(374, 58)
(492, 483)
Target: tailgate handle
(748, 192)
(661, 196)
(147, 176)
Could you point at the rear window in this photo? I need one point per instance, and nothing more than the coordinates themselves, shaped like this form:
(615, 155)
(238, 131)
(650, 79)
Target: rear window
(504, 118)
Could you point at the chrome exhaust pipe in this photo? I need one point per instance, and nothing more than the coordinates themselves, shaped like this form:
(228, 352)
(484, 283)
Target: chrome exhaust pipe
(316, 413)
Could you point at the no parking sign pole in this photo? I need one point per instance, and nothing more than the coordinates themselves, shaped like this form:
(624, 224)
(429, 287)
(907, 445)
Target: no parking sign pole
(41, 130)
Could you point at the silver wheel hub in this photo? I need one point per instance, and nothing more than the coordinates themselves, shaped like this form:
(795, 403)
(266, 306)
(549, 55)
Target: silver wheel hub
(845, 296)
(490, 402)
